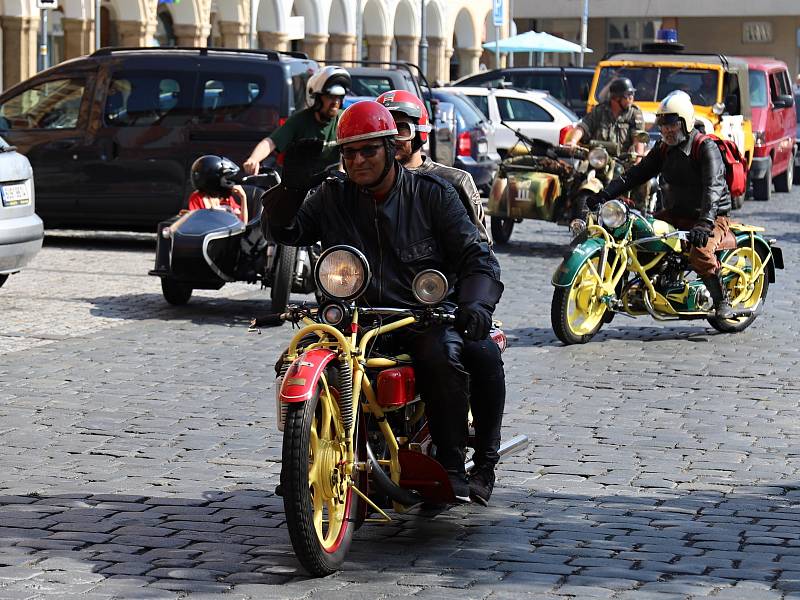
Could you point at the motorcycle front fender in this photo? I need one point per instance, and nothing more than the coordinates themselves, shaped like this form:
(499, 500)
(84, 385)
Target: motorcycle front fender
(572, 263)
(301, 378)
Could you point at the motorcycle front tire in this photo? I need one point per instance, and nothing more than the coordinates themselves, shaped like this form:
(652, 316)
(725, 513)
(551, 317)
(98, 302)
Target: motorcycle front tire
(282, 281)
(321, 531)
(576, 313)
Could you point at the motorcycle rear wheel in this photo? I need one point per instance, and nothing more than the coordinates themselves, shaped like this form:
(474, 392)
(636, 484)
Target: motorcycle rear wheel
(282, 281)
(576, 312)
(320, 507)
(744, 259)
(501, 229)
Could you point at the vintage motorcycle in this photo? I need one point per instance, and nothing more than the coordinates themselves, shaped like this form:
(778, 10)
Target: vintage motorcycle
(355, 436)
(207, 248)
(547, 182)
(627, 263)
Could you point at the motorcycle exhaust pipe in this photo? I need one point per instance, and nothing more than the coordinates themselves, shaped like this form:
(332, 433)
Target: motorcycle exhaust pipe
(512, 446)
(389, 487)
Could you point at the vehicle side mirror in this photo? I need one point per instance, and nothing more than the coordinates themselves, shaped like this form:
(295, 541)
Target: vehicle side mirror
(782, 101)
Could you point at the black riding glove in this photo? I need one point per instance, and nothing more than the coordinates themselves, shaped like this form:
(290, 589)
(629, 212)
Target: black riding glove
(699, 234)
(299, 161)
(595, 200)
(474, 320)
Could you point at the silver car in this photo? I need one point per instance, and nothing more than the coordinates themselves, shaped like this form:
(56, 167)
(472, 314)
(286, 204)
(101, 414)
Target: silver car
(21, 230)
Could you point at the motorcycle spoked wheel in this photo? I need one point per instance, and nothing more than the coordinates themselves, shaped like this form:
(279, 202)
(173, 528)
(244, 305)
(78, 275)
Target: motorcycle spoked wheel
(743, 292)
(320, 507)
(577, 313)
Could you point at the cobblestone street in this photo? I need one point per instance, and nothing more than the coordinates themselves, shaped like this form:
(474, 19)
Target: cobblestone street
(140, 450)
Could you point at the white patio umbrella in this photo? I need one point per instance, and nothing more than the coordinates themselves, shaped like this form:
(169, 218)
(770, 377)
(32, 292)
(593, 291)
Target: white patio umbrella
(534, 41)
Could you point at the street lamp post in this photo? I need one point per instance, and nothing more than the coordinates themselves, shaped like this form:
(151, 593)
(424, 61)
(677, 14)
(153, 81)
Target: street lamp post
(423, 41)
(43, 47)
(584, 28)
(253, 16)
(511, 30)
(97, 25)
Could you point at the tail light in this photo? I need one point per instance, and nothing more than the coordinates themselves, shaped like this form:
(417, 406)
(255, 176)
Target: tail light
(464, 146)
(281, 121)
(396, 387)
(562, 135)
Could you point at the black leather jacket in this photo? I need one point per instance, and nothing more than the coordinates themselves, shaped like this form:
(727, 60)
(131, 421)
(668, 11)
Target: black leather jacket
(694, 188)
(421, 224)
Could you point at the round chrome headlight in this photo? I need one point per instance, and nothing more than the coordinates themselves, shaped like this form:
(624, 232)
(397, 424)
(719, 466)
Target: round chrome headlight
(598, 158)
(342, 273)
(430, 286)
(613, 214)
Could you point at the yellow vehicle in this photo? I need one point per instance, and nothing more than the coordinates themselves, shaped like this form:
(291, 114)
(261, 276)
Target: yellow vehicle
(718, 85)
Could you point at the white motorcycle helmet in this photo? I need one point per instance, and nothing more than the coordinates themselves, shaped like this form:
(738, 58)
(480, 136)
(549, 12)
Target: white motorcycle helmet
(328, 80)
(676, 106)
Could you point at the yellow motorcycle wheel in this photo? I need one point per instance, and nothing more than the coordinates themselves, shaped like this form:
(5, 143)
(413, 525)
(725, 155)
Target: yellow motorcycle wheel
(744, 292)
(318, 502)
(577, 312)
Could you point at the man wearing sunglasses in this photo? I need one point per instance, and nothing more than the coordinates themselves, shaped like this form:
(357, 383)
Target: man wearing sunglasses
(325, 92)
(413, 127)
(403, 222)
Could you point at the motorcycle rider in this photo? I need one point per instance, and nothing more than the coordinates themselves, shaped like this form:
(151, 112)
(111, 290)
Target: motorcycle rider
(213, 180)
(325, 92)
(413, 126)
(404, 222)
(696, 195)
(616, 119)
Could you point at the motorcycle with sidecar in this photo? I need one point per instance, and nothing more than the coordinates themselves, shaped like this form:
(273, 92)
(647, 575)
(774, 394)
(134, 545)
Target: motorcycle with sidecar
(207, 248)
(355, 437)
(549, 182)
(628, 263)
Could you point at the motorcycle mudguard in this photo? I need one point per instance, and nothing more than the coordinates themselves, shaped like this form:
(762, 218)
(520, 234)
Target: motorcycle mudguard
(301, 378)
(569, 267)
(426, 475)
(498, 205)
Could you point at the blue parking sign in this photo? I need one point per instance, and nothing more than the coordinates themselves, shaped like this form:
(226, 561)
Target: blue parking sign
(497, 13)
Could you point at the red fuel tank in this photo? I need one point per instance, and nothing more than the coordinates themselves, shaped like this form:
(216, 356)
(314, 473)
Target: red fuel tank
(396, 387)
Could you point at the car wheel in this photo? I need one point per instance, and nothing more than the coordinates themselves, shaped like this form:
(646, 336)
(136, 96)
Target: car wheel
(762, 188)
(3, 279)
(785, 181)
(501, 229)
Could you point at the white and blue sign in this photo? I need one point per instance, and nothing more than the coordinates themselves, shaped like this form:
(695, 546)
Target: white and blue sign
(497, 13)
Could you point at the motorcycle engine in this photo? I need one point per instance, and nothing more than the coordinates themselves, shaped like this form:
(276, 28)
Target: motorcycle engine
(633, 297)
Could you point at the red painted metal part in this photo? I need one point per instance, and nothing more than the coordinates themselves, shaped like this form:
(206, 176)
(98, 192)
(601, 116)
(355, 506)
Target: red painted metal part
(302, 376)
(426, 475)
(499, 337)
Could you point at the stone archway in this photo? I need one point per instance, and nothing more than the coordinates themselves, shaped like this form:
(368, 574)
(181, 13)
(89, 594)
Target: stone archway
(406, 32)
(135, 20)
(437, 42)
(234, 21)
(314, 13)
(272, 25)
(376, 33)
(191, 22)
(78, 25)
(20, 24)
(342, 45)
(467, 51)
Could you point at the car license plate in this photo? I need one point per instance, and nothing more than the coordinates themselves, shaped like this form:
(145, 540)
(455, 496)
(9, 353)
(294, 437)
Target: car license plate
(15, 195)
(483, 147)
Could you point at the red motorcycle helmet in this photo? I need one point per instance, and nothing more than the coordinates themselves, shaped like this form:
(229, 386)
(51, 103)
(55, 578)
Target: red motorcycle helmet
(365, 120)
(404, 102)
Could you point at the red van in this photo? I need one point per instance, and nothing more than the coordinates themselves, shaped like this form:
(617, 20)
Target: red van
(774, 126)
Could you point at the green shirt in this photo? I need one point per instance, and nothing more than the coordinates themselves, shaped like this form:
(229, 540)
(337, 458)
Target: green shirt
(303, 124)
(601, 124)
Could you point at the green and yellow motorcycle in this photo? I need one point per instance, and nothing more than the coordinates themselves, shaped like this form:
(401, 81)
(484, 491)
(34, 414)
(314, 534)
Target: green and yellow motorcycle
(625, 262)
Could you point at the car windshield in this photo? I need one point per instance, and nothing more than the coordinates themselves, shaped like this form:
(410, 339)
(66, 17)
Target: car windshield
(758, 89)
(654, 83)
(368, 85)
(466, 109)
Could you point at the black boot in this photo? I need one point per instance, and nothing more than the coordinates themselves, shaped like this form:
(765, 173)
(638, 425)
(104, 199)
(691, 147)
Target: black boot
(722, 306)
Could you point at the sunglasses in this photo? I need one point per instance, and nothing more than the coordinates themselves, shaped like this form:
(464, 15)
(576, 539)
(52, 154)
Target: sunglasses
(365, 151)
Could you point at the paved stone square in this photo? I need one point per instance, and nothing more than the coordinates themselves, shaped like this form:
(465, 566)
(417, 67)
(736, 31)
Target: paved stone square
(140, 453)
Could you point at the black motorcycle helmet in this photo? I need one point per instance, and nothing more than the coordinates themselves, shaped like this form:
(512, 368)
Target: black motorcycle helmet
(214, 175)
(621, 86)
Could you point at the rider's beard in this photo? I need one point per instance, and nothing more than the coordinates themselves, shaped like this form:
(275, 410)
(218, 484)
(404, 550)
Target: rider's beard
(403, 153)
(675, 139)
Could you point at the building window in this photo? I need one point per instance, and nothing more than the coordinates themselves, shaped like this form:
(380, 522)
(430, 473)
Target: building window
(630, 34)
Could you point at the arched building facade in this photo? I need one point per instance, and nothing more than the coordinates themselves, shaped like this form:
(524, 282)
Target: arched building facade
(324, 29)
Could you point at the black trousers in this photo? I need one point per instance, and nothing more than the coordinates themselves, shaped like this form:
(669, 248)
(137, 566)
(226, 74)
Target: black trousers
(454, 374)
